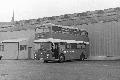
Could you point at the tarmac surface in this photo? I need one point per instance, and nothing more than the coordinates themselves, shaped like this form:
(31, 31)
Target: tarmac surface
(70, 70)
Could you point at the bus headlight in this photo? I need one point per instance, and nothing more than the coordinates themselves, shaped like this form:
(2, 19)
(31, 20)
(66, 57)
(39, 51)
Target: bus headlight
(47, 54)
(64, 51)
(41, 53)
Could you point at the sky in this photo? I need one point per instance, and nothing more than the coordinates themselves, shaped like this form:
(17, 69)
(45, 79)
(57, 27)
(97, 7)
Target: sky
(33, 9)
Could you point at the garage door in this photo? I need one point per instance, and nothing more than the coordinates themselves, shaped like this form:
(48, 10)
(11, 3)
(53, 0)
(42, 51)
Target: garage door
(10, 50)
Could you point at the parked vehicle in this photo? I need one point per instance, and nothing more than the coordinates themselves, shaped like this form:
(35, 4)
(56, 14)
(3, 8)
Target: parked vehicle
(56, 42)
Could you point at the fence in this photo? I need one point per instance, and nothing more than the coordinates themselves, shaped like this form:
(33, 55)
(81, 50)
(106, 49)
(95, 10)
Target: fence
(104, 38)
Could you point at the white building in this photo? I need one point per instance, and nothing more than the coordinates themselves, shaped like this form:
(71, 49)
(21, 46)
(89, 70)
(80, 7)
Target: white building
(15, 49)
(17, 44)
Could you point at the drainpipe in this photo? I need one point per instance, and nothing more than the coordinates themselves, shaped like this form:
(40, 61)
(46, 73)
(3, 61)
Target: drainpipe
(18, 51)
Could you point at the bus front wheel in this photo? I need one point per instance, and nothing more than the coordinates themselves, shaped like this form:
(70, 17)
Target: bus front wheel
(45, 61)
(61, 58)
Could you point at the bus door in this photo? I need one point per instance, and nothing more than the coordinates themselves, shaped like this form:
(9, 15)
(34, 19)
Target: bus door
(55, 49)
(64, 48)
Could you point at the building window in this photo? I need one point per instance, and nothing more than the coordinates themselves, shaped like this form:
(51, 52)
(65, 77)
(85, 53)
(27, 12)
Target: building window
(1, 47)
(23, 47)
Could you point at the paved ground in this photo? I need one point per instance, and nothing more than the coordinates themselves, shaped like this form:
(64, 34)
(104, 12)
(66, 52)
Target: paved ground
(75, 70)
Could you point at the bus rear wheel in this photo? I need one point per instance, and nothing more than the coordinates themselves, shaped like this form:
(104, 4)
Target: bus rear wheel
(61, 58)
(0, 57)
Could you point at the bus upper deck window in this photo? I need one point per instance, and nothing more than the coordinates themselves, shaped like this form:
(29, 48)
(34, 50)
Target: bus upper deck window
(84, 33)
(62, 43)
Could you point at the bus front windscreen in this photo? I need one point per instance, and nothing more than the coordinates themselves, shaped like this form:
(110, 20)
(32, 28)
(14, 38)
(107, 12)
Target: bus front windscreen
(45, 45)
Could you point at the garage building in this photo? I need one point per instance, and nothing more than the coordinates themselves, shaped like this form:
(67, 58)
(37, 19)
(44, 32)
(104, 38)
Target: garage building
(15, 49)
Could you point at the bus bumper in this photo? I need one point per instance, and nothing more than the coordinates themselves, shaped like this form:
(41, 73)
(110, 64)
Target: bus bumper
(49, 58)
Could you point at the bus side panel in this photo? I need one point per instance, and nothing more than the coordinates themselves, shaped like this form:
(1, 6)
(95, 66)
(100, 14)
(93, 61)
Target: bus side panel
(73, 54)
(67, 54)
(79, 51)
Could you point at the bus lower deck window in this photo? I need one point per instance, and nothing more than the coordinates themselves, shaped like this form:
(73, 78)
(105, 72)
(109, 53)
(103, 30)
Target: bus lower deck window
(83, 46)
(73, 46)
(68, 46)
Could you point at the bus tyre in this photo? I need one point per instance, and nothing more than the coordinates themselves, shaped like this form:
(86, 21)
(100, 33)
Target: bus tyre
(0, 57)
(82, 57)
(45, 61)
(61, 58)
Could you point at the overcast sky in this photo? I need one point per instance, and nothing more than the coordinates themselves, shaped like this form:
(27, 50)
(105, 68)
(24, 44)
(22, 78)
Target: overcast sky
(33, 9)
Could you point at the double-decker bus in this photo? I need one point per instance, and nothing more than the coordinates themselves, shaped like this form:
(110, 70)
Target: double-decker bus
(61, 43)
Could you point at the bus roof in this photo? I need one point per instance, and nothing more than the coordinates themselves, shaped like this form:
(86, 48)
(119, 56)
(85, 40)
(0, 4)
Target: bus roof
(41, 40)
(59, 40)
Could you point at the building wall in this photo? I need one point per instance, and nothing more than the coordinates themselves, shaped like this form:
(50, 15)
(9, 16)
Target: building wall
(23, 54)
(16, 34)
(28, 34)
(104, 38)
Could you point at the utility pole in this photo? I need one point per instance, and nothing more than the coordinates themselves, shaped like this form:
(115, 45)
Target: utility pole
(12, 21)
